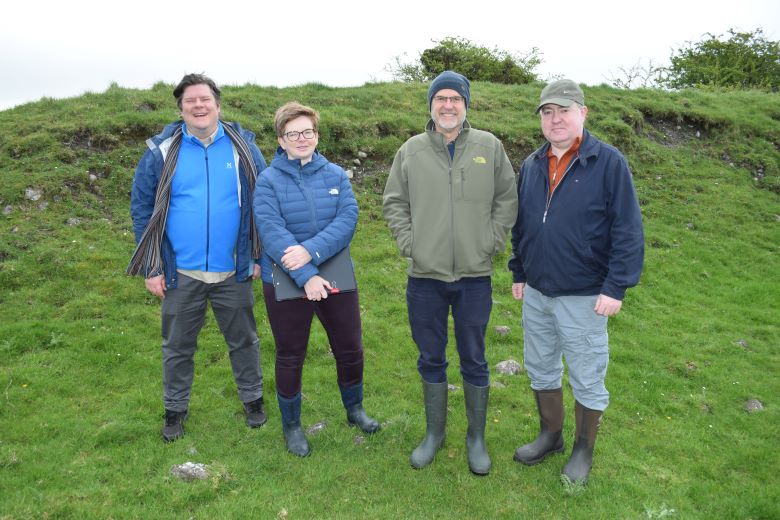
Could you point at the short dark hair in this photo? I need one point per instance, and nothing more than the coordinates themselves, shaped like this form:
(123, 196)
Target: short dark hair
(195, 79)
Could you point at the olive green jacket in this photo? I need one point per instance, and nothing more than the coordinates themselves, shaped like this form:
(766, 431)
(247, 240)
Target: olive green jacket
(450, 216)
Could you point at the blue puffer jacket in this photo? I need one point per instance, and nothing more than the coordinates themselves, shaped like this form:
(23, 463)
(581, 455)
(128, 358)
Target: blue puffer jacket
(147, 176)
(589, 240)
(312, 206)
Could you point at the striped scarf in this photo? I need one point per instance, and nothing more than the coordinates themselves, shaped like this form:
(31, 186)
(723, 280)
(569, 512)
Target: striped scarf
(147, 258)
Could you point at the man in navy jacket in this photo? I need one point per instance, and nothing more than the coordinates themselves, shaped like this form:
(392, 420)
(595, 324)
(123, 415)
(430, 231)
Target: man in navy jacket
(577, 246)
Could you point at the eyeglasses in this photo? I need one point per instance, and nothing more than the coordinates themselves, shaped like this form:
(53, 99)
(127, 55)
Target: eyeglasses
(307, 134)
(455, 100)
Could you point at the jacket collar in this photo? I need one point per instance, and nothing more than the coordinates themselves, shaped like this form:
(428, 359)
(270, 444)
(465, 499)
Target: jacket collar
(218, 134)
(589, 147)
(438, 137)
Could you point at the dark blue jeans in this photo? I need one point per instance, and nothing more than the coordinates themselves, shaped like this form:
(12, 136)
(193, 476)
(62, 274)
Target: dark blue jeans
(429, 302)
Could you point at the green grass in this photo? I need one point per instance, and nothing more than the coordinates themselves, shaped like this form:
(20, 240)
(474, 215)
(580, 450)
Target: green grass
(80, 407)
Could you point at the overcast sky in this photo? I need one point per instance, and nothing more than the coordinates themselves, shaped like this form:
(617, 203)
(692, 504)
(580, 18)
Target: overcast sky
(63, 49)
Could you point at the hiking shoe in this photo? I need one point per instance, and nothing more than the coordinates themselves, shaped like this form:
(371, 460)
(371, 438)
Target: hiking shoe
(174, 425)
(255, 415)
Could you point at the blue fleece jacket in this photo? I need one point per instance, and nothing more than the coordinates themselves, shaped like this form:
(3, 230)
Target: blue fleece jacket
(147, 177)
(588, 240)
(204, 212)
(311, 205)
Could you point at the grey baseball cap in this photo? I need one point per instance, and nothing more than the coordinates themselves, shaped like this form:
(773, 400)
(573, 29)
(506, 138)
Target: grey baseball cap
(562, 92)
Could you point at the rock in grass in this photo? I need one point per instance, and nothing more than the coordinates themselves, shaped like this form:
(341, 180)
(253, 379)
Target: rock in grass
(509, 367)
(502, 330)
(314, 429)
(753, 405)
(33, 194)
(190, 471)
(452, 388)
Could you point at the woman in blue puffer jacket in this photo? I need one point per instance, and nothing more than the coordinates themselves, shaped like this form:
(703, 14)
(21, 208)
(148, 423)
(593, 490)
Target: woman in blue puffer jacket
(305, 213)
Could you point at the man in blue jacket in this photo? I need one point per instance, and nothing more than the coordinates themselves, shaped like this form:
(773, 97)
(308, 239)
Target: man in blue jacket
(197, 243)
(578, 245)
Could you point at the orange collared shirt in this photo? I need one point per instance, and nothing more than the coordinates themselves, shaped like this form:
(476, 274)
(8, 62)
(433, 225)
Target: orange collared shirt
(557, 167)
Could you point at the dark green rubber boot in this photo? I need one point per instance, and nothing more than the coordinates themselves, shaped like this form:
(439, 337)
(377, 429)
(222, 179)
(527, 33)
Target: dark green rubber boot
(435, 398)
(476, 398)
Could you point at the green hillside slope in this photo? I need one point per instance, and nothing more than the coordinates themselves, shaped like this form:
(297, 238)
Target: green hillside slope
(80, 407)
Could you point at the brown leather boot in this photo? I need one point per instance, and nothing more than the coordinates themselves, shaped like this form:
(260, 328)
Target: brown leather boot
(581, 460)
(550, 438)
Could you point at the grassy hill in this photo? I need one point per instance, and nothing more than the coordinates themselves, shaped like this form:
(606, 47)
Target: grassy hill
(80, 408)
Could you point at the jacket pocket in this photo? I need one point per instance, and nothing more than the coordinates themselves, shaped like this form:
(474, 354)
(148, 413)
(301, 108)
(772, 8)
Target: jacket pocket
(477, 182)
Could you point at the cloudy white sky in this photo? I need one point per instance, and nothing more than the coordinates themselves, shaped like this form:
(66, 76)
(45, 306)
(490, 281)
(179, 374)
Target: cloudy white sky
(63, 49)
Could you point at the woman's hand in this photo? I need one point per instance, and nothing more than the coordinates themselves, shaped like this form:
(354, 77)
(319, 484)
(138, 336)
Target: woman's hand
(295, 257)
(317, 288)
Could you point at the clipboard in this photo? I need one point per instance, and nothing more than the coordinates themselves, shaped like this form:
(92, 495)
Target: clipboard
(337, 270)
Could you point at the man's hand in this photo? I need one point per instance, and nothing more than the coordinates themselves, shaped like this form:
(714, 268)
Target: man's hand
(317, 288)
(517, 290)
(606, 306)
(156, 285)
(295, 257)
(256, 272)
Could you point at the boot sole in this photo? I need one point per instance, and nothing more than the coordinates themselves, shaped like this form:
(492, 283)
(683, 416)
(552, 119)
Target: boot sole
(172, 438)
(254, 424)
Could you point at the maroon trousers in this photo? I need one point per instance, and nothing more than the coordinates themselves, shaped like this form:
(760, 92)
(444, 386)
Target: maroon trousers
(291, 323)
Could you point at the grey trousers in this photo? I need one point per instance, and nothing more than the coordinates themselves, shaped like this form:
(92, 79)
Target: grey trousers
(183, 313)
(566, 327)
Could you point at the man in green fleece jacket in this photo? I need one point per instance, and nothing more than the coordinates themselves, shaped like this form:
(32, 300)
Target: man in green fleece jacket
(450, 201)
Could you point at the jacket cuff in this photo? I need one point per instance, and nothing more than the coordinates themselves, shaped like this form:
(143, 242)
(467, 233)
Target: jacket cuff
(302, 275)
(312, 247)
(518, 278)
(613, 291)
